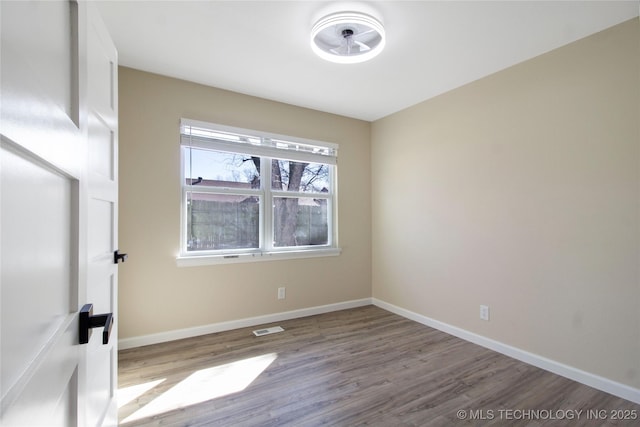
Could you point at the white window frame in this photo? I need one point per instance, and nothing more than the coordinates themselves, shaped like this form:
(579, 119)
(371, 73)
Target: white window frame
(267, 146)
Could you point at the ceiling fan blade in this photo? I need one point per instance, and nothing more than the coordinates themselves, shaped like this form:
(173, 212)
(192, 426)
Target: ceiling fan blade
(340, 50)
(364, 33)
(363, 47)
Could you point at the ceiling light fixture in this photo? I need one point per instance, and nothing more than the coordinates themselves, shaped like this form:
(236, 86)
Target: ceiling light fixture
(347, 37)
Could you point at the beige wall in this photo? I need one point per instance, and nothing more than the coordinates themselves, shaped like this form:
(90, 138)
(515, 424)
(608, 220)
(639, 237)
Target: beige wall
(156, 295)
(521, 191)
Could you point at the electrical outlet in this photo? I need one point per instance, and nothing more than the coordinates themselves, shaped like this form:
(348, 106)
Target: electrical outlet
(484, 312)
(282, 292)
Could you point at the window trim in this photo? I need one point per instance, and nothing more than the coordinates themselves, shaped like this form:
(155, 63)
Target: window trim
(305, 150)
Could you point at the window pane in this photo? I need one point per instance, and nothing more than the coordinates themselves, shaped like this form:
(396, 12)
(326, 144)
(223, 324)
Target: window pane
(222, 221)
(221, 169)
(300, 221)
(298, 176)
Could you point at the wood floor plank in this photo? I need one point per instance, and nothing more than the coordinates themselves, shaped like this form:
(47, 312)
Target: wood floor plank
(358, 367)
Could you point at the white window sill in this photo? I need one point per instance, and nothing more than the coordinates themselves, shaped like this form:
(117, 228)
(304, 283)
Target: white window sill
(199, 260)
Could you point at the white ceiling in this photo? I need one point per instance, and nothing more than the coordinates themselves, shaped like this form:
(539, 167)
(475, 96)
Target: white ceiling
(261, 48)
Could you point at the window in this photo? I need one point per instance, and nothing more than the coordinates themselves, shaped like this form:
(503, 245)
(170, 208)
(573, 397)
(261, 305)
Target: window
(248, 195)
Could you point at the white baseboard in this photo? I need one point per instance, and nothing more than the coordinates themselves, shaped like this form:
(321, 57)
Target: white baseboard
(583, 377)
(161, 337)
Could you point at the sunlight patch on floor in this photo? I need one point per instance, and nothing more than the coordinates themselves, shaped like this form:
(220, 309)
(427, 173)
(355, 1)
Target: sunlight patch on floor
(206, 384)
(128, 394)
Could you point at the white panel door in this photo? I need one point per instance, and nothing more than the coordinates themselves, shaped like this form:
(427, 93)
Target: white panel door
(102, 273)
(47, 378)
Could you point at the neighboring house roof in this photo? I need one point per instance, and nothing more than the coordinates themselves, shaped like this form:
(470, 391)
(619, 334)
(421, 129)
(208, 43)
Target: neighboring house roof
(232, 198)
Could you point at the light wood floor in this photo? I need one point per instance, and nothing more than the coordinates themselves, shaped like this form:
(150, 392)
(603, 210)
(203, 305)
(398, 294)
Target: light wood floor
(356, 367)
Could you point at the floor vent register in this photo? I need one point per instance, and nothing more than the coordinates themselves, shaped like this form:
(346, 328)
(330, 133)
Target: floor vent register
(267, 331)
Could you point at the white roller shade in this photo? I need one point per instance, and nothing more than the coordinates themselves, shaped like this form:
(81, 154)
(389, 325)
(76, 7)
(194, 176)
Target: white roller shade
(225, 138)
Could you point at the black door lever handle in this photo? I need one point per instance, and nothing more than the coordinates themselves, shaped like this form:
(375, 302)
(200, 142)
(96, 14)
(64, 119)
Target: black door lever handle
(89, 321)
(117, 256)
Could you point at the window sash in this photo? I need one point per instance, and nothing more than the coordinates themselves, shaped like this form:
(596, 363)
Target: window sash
(266, 225)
